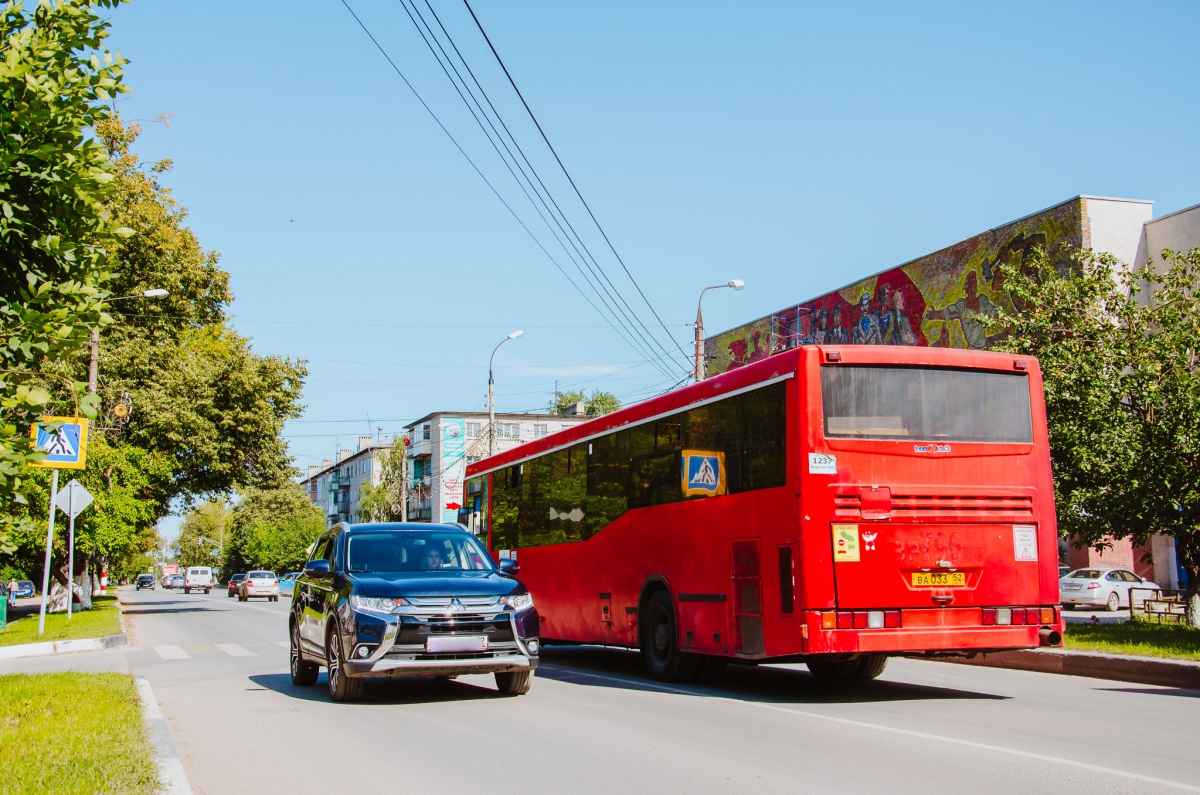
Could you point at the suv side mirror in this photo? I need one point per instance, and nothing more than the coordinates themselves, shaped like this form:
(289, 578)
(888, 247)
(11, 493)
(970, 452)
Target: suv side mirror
(317, 569)
(509, 566)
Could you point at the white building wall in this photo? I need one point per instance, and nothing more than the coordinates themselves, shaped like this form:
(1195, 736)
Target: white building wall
(1179, 231)
(1116, 225)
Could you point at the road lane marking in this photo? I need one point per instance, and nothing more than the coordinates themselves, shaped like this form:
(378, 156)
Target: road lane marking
(277, 611)
(234, 650)
(891, 729)
(172, 653)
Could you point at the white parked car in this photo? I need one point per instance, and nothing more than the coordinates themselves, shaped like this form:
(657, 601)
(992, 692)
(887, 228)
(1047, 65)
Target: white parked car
(259, 583)
(1107, 588)
(198, 578)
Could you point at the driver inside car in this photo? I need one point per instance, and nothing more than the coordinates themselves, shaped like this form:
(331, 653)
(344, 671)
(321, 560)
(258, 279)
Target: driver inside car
(433, 559)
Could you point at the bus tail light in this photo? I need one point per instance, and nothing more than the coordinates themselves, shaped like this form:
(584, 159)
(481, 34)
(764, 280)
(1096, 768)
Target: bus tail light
(1018, 615)
(989, 616)
(828, 620)
(1047, 615)
(875, 619)
(845, 620)
(860, 619)
(1003, 616)
(891, 619)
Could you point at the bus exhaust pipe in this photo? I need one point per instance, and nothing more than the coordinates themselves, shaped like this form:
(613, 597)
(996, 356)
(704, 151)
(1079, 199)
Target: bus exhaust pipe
(1050, 637)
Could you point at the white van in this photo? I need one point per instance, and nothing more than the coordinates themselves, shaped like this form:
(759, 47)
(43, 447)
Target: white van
(198, 577)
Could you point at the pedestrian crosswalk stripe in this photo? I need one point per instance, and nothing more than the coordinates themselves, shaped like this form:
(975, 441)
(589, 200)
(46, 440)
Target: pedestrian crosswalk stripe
(172, 653)
(234, 650)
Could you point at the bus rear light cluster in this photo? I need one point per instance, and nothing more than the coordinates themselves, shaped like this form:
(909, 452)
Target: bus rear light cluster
(861, 619)
(1016, 616)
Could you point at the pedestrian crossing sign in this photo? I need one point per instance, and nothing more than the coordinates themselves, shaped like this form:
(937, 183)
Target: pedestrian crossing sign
(65, 446)
(703, 473)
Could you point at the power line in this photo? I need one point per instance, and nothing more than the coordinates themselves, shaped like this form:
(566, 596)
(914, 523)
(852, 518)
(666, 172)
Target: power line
(610, 300)
(463, 152)
(533, 170)
(567, 174)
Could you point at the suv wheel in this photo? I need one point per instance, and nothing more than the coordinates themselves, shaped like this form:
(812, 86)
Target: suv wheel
(304, 673)
(514, 683)
(341, 687)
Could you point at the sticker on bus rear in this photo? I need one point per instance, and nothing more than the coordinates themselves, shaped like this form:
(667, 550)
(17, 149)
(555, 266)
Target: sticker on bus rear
(1025, 542)
(821, 464)
(845, 542)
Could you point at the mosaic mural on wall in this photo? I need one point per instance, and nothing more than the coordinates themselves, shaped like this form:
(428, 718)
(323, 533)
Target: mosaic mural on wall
(939, 299)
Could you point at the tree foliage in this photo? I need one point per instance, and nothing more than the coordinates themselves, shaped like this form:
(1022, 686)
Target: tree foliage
(1118, 350)
(271, 529)
(201, 534)
(55, 233)
(377, 502)
(596, 404)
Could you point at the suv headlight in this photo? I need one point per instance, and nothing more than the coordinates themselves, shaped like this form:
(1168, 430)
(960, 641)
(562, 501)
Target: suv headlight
(374, 604)
(517, 601)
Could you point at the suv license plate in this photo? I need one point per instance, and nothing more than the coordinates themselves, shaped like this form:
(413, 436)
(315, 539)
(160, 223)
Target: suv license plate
(929, 579)
(456, 643)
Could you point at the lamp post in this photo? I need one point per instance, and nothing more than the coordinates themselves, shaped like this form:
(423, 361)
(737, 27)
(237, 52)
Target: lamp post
(94, 344)
(492, 394)
(698, 370)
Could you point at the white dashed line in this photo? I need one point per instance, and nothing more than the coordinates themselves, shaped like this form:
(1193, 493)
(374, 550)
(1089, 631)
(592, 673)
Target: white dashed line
(172, 653)
(234, 650)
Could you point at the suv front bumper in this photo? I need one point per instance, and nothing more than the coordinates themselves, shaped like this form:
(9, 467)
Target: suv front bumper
(399, 668)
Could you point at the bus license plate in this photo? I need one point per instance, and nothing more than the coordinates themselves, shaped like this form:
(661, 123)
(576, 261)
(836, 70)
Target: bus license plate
(931, 579)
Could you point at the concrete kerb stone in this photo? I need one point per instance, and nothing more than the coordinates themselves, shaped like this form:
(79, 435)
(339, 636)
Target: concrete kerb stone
(1114, 667)
(61, 647)
(170, 769)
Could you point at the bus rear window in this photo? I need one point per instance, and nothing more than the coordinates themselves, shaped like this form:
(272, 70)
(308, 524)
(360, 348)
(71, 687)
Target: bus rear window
(925, 404)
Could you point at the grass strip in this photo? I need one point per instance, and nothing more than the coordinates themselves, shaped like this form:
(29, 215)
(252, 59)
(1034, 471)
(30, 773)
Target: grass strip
(73, 733)
(1140, 637)
(102, 620)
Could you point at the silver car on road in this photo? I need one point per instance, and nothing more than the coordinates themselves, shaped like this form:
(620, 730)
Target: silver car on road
(1107, 588)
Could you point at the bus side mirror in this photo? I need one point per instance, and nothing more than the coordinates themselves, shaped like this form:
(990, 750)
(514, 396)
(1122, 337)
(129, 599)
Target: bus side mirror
(509, 566)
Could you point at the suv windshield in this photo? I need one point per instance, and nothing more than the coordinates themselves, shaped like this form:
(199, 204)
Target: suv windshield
(925, 404)
(415, 550)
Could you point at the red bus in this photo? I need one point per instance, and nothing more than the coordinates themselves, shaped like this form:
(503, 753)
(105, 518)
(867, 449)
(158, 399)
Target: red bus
(827, 505)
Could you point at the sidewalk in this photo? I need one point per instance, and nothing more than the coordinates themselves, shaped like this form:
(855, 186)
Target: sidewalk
(1114, 667)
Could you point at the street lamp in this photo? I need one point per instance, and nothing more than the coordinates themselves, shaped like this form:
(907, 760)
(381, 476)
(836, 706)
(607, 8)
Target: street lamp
(492, 394)
(94, 344)
(698, 371)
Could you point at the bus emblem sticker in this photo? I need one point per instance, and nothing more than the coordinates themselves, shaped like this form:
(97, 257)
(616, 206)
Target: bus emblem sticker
(1025, 542)
(845, 542)
(821, 464)
(703, 473)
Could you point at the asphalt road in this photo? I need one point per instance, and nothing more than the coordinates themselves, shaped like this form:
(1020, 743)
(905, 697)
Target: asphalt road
(594, 722)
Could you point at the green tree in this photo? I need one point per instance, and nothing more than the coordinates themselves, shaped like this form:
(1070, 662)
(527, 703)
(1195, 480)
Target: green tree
(55, 234)
(594, 405)
(1118, 352)
(271, 529)
(377, 503)
(201, 534)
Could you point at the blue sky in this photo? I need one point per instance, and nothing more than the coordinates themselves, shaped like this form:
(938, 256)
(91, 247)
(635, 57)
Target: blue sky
(796, 146)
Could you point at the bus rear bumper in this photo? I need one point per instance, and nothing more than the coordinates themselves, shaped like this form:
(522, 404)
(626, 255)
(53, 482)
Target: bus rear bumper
(926, 639)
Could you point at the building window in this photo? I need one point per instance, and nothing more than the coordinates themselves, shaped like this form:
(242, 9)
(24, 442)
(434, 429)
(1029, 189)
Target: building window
(473, 429)
(508, 430)
(425, 432)
(540, 430)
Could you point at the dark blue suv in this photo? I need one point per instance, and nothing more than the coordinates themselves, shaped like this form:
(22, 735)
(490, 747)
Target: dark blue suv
(407, 599)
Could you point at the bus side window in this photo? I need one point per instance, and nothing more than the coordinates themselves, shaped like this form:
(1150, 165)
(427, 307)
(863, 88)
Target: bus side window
(607, 481)
(787, 581)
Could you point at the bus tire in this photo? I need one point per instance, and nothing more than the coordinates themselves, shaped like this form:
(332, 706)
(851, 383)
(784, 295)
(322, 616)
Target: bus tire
(870, 666)
(839, 671)
(659, 642)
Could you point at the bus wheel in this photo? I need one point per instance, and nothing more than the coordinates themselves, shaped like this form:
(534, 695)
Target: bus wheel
(660, 643)
(870, 666)
(839, 671)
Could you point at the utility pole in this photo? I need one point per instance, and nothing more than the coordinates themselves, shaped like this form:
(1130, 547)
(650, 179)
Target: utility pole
(492, 394)
(698, 368)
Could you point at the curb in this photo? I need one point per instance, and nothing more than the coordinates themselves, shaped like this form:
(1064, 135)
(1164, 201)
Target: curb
(1115, 667)
(61, 647)
(170, 769)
